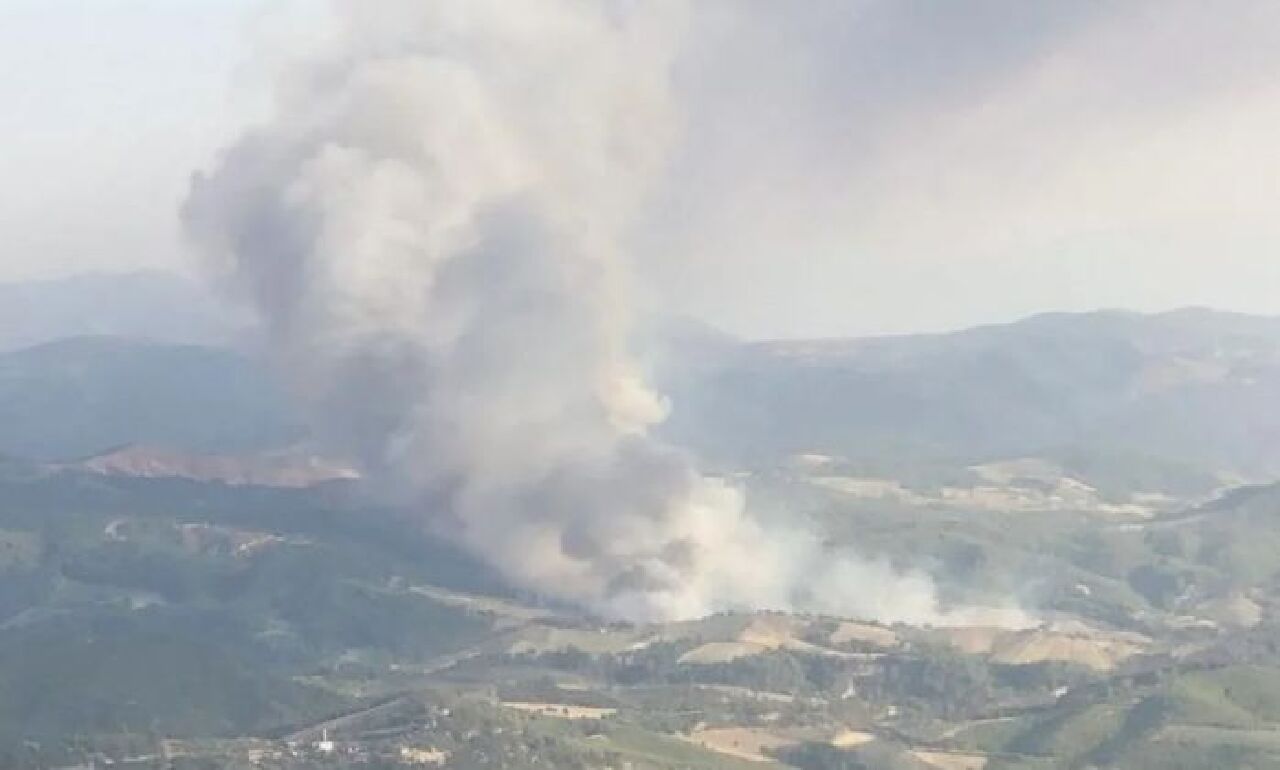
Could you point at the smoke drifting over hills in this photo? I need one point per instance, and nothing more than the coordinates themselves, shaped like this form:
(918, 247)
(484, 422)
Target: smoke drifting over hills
(431, 229)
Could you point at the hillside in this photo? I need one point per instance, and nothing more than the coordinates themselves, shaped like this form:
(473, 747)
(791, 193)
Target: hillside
(1190, 390)
(86, 395)
(234, 625)
(290, 467)
(181, 576)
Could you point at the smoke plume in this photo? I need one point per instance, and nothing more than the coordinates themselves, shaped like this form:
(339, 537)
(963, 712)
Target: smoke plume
(431, 229)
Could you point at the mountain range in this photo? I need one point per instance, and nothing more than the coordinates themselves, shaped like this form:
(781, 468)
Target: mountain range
(1190, 387)
(1157, 399)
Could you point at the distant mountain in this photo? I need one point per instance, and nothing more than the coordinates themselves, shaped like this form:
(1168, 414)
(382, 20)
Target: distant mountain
(1150, 402)
(1190, 386)
(83, 396)
(151, 304)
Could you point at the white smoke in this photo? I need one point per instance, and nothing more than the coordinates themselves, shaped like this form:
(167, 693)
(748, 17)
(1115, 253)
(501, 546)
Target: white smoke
(430, 227)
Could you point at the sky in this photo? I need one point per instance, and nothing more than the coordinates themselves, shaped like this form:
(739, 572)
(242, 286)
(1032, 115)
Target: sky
(843, 166)
(108, 107)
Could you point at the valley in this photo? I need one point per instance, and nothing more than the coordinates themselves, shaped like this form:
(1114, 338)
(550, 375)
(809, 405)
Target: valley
(270, 627)
(224, 593)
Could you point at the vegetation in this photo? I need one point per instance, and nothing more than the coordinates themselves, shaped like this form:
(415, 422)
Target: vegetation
(231, 626)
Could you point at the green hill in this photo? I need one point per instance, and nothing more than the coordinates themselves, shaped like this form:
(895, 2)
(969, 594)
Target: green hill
(81, 396)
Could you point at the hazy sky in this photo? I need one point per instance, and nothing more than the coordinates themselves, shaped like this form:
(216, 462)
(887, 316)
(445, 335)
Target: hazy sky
(108, 105)
(846, 166)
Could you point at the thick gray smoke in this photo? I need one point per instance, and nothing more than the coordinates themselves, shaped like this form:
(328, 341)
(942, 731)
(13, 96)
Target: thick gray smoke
(430, 228)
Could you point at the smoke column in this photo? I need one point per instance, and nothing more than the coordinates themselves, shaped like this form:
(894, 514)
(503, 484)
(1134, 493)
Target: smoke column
(430, 229)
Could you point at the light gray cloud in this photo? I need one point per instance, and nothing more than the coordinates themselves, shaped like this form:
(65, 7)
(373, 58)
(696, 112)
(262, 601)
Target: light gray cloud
(861, 167)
